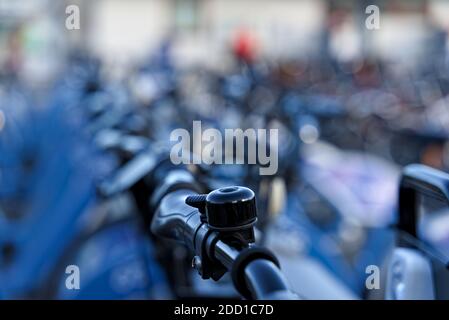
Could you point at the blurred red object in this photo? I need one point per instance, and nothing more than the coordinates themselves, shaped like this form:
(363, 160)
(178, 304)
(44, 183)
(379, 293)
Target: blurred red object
(245, 46)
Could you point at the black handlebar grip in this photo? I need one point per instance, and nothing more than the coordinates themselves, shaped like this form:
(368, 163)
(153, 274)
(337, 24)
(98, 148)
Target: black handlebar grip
(176, 220)
(419, 180)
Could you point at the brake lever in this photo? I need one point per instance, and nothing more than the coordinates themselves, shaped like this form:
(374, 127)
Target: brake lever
(419, 179)
(128, 175)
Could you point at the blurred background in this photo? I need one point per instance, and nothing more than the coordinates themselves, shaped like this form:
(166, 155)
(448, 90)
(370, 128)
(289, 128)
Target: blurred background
(353, 106)
(125, 33)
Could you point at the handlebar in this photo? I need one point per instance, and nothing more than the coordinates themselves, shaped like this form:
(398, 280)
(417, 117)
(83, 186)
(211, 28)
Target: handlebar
(219, 229)
(263, 279)
(419, 180)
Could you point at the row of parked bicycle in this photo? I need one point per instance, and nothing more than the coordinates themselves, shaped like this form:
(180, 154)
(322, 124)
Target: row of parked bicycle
(86, 180)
